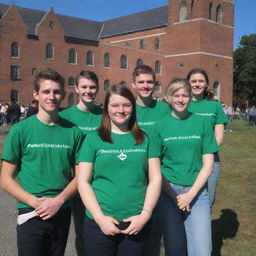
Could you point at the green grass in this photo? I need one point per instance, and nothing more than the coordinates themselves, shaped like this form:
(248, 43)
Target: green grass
(234, 213)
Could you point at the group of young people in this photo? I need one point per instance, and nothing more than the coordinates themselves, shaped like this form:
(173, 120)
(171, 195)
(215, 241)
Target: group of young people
(144, 169)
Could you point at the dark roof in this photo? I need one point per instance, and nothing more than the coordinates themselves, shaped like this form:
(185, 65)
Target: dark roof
(154, 18)
(92, 30)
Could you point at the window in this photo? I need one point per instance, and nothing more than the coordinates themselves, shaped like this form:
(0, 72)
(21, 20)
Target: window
(158, 67)
(219, 14)
(157, 87)
(123, 62)
(210, 11)
(72, 56)
(183, 12)
(14, 95)
(51, 24)
(123, 83)
(49, 51)
(192, 6)
(106, 60)
(89, 58)
(34, 71)
(142, 45)
(139, 62)
(157, 43)
(106, 85)
(15, 51)
(216, 89)
(14, 73)
(71, 82)
(71, 99)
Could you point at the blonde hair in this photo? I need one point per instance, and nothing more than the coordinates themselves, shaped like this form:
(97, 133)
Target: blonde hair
(176, 84)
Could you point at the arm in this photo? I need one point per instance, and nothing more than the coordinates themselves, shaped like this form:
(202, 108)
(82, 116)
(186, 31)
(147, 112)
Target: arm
(219, 133)
(185, 199)
(49, 206)
(106, 223)
(152, 195)
(9, 184)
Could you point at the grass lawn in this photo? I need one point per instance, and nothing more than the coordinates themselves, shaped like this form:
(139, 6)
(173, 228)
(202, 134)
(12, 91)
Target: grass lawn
(234, 213)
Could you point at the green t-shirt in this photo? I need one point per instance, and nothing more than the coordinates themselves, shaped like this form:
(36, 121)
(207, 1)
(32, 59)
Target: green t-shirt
(182, 144)
(119, 178)
(86, 121)
(44, 155)
(147, 116)
(211, 110)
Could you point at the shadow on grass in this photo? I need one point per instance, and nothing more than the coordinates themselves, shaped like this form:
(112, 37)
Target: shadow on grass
(226, 226)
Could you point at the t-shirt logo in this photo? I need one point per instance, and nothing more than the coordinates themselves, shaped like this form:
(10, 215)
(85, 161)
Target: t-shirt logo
(122, 156)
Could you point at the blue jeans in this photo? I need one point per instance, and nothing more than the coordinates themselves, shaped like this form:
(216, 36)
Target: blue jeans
(186, 229)
(99, 244)
(213, 179)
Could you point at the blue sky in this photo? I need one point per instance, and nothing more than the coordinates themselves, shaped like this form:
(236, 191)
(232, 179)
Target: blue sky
(100, 10)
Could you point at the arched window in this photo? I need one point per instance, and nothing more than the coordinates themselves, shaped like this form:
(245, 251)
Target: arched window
(216, 89)
(89, 58)
(123, 62)
(157, 87)
(49, 51)
(183, 12)
(139, 62)
(123, 83)
(15, 51)
(34, 71)
(71, 99)
(210, 11)
(106, 85)
(192, 6)
(157, 43)
(71, 82)
(14, 95)
(157, 67)
(72, 56)
(219, 14)
(142, 45)
(106, 60)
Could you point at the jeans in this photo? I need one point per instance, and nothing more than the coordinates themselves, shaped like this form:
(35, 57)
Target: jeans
(39, 237)
(213, 179)
(99, 244)
(78, 213)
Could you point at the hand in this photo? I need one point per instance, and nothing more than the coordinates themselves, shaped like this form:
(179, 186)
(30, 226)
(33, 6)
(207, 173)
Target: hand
(137, 223)
(184, 200)
(108, 225)
(48, 207)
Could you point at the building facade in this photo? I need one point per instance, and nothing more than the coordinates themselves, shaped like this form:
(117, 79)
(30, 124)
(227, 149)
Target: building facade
(171, 39)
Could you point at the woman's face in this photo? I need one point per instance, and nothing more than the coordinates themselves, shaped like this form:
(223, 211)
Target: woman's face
(119, 110)
(198, 83)
(179, 100)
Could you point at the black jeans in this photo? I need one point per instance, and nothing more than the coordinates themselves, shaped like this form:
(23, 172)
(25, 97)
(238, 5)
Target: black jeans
(99, 244)
(39, 237)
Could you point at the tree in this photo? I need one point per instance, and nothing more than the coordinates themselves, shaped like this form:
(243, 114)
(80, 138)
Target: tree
(245, 69)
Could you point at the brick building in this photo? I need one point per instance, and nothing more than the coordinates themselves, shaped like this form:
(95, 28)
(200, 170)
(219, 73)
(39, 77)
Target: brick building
(172, 39)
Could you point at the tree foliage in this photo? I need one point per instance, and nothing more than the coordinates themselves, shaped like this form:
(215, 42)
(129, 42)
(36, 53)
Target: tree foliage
(245, 69)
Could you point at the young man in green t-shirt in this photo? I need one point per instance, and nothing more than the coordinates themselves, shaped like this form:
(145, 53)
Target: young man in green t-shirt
(42, 150)
(86, 115)
(148, 110)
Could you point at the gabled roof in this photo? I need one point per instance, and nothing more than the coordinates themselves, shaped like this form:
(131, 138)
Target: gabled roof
(154, 18)
(92, 30)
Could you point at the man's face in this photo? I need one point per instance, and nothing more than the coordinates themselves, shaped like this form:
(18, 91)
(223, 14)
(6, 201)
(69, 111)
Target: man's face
(144, 85)
(86, 89)
(49, 96)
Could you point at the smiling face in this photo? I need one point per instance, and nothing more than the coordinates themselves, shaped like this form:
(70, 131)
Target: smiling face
(86, 89)
(198, 84)
(144, 85)
(49, 96)
(179, 100)
(119, 111)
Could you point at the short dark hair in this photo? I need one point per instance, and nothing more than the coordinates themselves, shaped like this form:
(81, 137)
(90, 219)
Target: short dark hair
(48, 74)
(143, 69)
(105, 127)
(89, 75)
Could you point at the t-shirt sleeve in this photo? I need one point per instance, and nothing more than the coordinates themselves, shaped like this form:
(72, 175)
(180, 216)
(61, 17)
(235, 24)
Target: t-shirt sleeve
(12, 147)
(209, 141)
(87, 152)
(221, 116)
(155, 145)
(78, 145)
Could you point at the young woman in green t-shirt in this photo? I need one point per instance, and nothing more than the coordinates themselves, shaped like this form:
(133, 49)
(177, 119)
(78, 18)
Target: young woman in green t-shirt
(204, 105)
(119, 179)
(187, 144)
